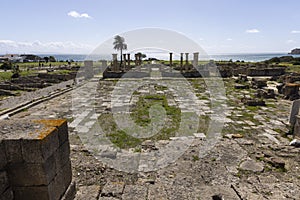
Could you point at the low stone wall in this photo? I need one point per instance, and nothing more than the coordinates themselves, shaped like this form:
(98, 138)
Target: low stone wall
(61, 77)
(187, 74)
(35, 162)
(107, 74)
(275, 71)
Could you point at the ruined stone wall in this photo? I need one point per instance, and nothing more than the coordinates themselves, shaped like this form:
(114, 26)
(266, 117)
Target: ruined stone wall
(34, 160)
(266, 71)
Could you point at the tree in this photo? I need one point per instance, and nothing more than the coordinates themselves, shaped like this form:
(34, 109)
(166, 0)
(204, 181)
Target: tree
(7, 65)
(46, 59)
(119, 44)
(141, 55)
(52, 59)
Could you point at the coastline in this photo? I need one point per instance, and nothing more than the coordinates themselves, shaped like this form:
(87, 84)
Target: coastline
(247, 57)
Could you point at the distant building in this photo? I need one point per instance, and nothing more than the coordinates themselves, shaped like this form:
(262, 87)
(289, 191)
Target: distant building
(31, 58)
(11, 58)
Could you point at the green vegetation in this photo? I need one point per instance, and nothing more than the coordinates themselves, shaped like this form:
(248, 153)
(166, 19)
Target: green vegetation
(140, 114)
(116, 136)
(195, 158)
(4, 76)
(119, 44)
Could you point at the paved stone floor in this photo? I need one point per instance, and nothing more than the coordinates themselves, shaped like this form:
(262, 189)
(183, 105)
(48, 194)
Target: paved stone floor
(250, 159)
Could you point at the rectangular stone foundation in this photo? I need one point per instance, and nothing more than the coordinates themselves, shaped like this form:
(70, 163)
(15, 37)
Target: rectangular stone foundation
(35, 162)
(297, 127)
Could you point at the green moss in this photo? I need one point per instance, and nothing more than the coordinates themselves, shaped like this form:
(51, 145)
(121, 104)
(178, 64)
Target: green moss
(195, 158)
(140, 115)
(4, 76)
(160, 87)
(123, 140)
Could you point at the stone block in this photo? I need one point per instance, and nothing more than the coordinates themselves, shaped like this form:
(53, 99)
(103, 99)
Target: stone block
(114, 189)
(60, 124)
(61, 182)
(157, 192)
(7, 195)
(70, 192)
(33, 193)
(13, 151)
(3, 160)
(32, 174)
(132, 192)
(62, 155)
(63, 133)
(4, 184)
(55, 190)
(90, 192)
(37, 150)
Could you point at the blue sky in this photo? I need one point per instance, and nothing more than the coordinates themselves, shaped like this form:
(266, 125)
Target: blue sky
(219, 26)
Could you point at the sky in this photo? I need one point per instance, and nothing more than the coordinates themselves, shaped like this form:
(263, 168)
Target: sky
(218, 26)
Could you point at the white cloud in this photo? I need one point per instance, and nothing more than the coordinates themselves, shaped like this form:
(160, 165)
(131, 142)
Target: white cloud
(295, 32)
(43, 47)
(252, 31)
(229, 39)
(78, 15)
(290, 41)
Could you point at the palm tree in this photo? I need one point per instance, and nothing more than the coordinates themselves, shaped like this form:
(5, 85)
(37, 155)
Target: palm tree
(119, 44)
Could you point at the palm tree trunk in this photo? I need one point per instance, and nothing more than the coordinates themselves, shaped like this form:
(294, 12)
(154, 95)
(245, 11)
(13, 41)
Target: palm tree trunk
(121, 59)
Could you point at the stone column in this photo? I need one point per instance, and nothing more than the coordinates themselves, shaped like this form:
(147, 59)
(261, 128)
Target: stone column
(115, 62)
(128, 59)
(186, 58)
(181, 62)
(171, 61)
(196, 59)
(103, 66)
(186, 61)
(88, 69)
(140, 59)
(104, 63)
(136, 59)
(124, 62)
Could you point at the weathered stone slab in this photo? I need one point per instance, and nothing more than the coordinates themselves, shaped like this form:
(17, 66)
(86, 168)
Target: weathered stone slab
(61, 182)
(4, 184)
(90, 192)
(62, 155)
(13, 151)
(60, 124)
(157, 191)
(3, 160)
(40, 148)
(108, 198)
(132, 192)
(7, 195)
(37, 153)
(251, 165)
(294, 111)
(113, 189)
(70, 192)
(32, 174)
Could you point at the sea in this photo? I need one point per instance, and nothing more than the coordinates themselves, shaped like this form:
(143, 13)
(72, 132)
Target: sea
(221, 57)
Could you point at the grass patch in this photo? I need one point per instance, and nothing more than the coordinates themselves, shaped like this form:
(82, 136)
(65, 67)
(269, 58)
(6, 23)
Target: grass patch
(140, 114)
(116, 136)
(160, 88)
(5, 76)
(196, 158)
